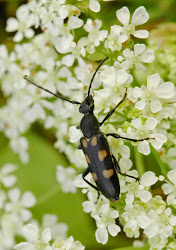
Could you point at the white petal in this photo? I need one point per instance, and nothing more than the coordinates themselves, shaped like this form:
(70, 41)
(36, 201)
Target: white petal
(113, 229)
(143, 221)
(108, 75)
(140, 104)
(74, 22)
(151, 123)
(68, 60)
(18, 37)
(172, 176)
(29, 33)
(94, 5)
(152, 230)
(156, 106)
(125, 164)
(166, 90)
(172, 220)
(127, 53)
(8, 168)
(139, 48)
(9, 181)
(101, 235)
(63, 44)
(136, 123)
(148, 179)
(63, 12)
(25, 246)
(123, 38)
(46, 235)
(124, 151)
(75, 134)
(153, 81)
(14, 194)
(121, 76)
(148, 56)
(88, 206)
(28, 199)
(167, 188)
(31, 232)
(144, 195)
(144, 147)
(26, 215)
(12, 24)
(140, 16)
(160, 139)
(137, 92)
(143, 34)
(140, 66)
(123, 15)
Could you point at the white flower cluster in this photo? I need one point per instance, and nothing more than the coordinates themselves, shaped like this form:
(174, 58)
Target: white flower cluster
(37, 240)
(15, 213)
(57, 60)
(14, 207)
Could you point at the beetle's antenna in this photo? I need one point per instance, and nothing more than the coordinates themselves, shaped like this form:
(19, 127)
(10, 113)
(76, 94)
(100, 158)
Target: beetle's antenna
(61, 97)
(95, 74)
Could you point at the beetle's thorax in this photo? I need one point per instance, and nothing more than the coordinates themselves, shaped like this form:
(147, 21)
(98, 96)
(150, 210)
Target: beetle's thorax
(89, 125)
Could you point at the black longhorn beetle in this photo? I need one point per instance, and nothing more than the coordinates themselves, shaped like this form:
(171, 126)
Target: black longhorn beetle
(101, 163)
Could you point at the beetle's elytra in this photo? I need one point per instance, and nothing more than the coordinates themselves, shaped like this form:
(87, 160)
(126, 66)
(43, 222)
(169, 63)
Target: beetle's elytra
(101, 163)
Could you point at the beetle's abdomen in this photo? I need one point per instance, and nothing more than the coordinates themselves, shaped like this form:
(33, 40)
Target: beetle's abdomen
(99, 159)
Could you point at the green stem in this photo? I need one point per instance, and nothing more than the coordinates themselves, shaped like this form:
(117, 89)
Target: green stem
(139, 162)
(164, 168)
(120, 114)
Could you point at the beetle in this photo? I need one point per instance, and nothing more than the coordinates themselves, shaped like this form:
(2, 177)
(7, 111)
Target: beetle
(101, 163)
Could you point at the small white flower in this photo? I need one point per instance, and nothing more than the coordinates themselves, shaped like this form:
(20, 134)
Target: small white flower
(140, 16)
(35, 239)
(137, 57)
(19, 205)
(22, 24)
(153, 94)
(143, 131)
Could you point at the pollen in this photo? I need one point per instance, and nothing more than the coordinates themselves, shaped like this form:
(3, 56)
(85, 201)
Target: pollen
(94, 176)
(94, 141)
(108, 173)
(102, 154)
(84, 142)
(87, 159)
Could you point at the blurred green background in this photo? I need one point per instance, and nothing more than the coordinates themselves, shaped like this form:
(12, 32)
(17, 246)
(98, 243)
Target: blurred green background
(39, 175)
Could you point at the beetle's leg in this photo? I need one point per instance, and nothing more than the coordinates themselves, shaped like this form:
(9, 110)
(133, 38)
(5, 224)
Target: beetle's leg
(112, 110)
(79, 147)
(129, 139)
(78, 127)
(119, 171)
(86, 171)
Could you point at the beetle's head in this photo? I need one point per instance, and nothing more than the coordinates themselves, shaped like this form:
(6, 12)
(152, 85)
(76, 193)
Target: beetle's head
(87, 106)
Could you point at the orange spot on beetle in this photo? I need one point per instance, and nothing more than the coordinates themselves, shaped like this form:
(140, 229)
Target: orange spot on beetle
(94, 176)
(102, 154)
(108, 173)
(87, 159)
(94, 141)
(84, 142)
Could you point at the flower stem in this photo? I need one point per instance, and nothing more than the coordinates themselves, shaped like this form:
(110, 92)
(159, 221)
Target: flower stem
(139, 162)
